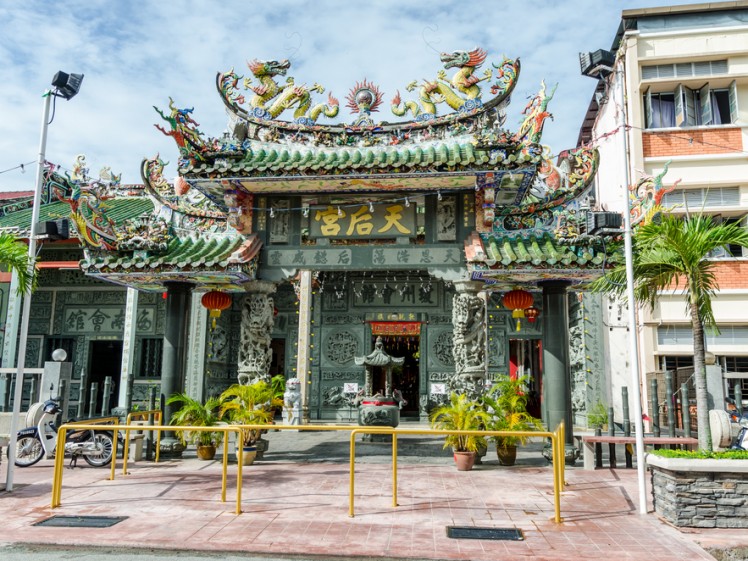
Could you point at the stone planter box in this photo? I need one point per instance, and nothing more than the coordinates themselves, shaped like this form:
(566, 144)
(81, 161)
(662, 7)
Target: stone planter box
(700, 493)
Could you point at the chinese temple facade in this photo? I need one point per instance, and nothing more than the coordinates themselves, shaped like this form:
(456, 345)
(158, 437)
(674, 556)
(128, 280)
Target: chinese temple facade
(453, 239)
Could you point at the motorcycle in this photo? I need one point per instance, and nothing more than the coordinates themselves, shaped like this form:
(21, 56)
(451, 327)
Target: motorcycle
(740, 442)
(732, 410)
(34, 443)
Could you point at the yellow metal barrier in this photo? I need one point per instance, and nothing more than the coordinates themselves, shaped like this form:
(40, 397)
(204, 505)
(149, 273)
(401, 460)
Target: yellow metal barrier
(225, 429)
(156, 414)
(556, 445)
(556, 437)
(88, 424)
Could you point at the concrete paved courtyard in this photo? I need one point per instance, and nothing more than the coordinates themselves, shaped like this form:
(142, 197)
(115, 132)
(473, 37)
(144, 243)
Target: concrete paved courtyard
(295, 504)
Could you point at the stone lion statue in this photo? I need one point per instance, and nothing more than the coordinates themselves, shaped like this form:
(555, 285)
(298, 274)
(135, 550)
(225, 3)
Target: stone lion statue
(292, 400)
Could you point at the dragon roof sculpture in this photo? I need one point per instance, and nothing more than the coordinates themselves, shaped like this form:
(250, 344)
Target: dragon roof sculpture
(181, 237)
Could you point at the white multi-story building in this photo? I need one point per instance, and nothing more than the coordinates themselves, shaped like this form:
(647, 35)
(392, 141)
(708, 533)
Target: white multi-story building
(683, 72)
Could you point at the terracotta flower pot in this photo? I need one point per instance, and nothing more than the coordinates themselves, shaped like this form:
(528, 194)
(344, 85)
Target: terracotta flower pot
(464, 460)
(206, 451)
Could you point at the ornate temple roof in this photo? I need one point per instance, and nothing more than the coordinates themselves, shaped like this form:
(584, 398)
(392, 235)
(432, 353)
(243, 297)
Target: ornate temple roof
(213, 262)
(523, 200)
(145, 241)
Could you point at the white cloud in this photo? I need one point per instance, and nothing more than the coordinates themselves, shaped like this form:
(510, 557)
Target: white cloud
(137, 54)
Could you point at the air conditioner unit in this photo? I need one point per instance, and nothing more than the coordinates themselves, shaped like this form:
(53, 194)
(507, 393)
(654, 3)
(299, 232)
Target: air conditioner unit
(53, 229)
(597, 221)
(597, 64)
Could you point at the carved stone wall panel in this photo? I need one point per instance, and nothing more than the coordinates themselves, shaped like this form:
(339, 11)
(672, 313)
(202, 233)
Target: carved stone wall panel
(497, 346)
(440, 348)
(446, 219)
(345, 375)
(279, 221)
(340, 345)
(255, 353)
(440, 376)
(285, 298)
(344, 319)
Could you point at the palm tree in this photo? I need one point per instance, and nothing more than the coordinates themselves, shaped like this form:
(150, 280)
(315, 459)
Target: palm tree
(14, 255)
(673, 253)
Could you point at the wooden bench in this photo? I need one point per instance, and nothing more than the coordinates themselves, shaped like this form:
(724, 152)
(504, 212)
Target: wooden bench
(589, 441)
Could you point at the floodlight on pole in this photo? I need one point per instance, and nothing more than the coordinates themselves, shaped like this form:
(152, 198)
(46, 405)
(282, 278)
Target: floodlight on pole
(65, 86)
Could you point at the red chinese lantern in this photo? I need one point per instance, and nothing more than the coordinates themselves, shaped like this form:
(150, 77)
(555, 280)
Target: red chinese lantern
(517, 301)
(532, 314)
(216, 302)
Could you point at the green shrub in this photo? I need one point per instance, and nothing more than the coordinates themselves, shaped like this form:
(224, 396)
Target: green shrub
(702, 454)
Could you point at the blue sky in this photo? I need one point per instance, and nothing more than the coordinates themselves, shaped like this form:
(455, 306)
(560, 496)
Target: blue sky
(137, 54)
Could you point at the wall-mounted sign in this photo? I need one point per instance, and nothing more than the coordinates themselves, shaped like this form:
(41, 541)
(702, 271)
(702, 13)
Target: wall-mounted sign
(106, 319)
(350, 387)
(438, 389)
(390, 220)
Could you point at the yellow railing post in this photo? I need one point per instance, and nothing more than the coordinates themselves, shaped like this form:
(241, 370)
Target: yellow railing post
(352, 461)
(115, 436)
(239, 477)
(394, 467)
(225, 464)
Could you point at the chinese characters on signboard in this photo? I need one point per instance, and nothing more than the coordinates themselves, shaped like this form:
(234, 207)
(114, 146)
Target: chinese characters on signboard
(105, 319)
(362, 221)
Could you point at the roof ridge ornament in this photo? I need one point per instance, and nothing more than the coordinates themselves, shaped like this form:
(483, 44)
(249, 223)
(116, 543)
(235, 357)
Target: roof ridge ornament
(462, 93)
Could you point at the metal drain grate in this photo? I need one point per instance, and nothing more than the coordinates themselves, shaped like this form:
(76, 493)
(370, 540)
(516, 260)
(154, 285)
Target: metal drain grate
(82, 521)
(473, 533)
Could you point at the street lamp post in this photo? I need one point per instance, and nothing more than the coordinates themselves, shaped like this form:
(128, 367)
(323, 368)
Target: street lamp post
(65, 86)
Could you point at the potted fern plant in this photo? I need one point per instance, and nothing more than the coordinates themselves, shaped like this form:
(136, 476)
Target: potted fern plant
(197, 414)
(461, 413)
(506, 404)
(252, 404)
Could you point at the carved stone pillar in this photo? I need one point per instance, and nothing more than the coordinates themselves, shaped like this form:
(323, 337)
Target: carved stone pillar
(255, 352)
(469, 339)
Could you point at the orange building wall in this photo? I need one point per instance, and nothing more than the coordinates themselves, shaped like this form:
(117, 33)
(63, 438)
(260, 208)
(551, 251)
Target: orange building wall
(705, 141)
(731, 274)
(727, 274)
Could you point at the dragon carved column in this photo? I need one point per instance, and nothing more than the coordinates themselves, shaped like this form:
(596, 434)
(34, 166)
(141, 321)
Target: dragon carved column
(469, 339)
(255, 352)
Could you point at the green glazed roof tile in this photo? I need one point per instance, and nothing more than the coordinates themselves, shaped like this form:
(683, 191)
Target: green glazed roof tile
(280, 158)
(182, 253)
(118, 210)
(537, 249)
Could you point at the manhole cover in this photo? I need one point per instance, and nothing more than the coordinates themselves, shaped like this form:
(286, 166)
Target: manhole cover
(82, 521)
(473, 533)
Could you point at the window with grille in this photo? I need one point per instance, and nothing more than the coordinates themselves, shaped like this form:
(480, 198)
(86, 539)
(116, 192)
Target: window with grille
(151, 349)
(736, 335)
(684, 69)
(699, 198)
(686, 107)
(675, 362)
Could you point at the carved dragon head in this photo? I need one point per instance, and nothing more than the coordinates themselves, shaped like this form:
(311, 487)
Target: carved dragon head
(268, 67)
(458, 59)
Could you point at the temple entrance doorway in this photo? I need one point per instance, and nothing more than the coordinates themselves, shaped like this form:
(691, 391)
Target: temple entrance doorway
(405, 377)
(278, 361)
(105, 359)
(526, 359)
